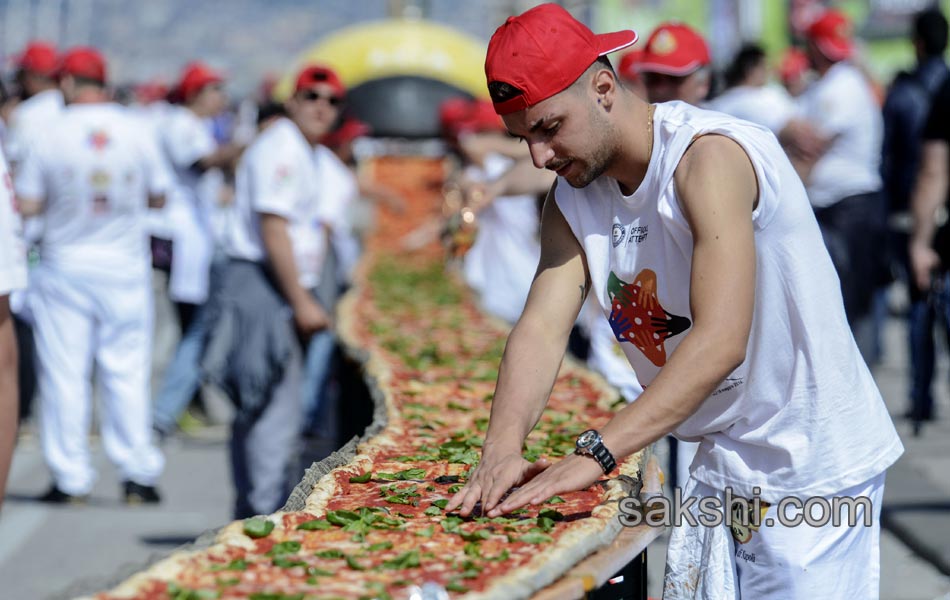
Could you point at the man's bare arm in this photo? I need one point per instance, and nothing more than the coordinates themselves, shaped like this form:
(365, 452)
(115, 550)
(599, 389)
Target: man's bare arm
(308, 315)
(930, 192)
(530, 363)
(9, 398)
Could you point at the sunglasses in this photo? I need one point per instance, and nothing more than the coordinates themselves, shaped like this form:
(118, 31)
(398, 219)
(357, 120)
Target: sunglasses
(313, 96)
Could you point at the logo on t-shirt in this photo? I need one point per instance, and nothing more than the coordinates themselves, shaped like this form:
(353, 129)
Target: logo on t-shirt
(637, 317)
(617, 234)
(99, 139)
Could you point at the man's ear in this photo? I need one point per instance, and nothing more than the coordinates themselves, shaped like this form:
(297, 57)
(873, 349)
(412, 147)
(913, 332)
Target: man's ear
(605, 87)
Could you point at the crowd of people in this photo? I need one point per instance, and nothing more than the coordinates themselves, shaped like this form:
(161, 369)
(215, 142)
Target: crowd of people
(247, 219)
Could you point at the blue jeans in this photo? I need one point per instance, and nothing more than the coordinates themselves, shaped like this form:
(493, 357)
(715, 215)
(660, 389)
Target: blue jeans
(183, 375)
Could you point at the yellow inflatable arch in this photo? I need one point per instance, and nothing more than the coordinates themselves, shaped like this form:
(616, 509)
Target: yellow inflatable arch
(396, 47)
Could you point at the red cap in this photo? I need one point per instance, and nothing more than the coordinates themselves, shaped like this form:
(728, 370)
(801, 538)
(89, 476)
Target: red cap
(831, 32)
(316, 74)
(629, 65)
(83, 61)
(458, 116)
(674, 49)
(543, 51)
(195, 77)
(38, 57)
(349, 130)
(794, 64)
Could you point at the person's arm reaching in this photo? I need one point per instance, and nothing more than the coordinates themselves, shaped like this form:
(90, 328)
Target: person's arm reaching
(930, 192)
(308, 315)
(9, 397)
(530, 364)
(717, 188)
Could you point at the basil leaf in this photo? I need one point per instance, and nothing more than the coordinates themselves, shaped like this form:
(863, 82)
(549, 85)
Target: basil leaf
(286, 563)
(334, 553)
(533, 537)
(433, 511)
(503, 556)
(481, 534)
(351, 563)
(453, 489)
(238, 564)
(427, 532)
(341, 518)
(441, 503)
(446, 479)
(406, 560)
(318, 572)
(288, 547)
(552, 514)
(257, 527)
(555, 500)
(472, 549)
(409, 474)
(379, 546)
(455, 586)
(364, 478)
(315, 525)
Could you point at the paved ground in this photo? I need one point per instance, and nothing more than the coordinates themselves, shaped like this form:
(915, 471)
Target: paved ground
(45, 550)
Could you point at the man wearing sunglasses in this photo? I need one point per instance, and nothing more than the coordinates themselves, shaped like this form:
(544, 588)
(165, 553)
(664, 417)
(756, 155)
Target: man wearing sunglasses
(265, 308)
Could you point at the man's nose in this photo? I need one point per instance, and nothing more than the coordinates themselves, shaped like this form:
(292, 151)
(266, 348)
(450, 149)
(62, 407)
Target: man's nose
(541, 154)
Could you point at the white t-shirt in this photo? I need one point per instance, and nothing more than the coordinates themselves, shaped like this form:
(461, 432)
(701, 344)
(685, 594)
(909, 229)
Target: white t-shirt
(277, 175)
(12, 248)
(802, 414)
(93, 168)
(501, 263)
(339, 192)
(767, 105)
(186, 138)
(34, 113)
(605, 355)
(841, 106)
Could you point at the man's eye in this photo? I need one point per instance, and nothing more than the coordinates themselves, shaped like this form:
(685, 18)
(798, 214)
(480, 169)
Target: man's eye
(552, 128)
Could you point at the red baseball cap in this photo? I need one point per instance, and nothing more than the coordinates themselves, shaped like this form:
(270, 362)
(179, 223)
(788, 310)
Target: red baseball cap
(628, 68)
(458, 116)
(38, 57)
(543, 51)
(674, 49)
(195, 77)
(316, 74)
(831, 32)
(83, 61)
(793, 65)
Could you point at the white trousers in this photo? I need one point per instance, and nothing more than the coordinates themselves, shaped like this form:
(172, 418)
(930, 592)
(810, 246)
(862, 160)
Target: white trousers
(78, 323)
(778, 562)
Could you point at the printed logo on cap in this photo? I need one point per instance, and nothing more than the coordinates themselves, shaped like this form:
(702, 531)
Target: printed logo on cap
(664, 43)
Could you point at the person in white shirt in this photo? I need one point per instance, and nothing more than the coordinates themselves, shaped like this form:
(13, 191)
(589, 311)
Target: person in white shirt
(197, 159)
(12, 277)
(842, 170)
(265, 309)
(695, 235)
(42, 99)
(92, 175)
(749, 95)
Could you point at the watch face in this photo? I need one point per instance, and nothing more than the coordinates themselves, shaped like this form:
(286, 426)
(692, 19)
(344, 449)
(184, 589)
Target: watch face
(587, 439)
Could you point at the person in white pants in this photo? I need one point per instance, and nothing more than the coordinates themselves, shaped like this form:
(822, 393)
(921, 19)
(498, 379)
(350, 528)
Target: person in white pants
(12, 277)
(93, 175)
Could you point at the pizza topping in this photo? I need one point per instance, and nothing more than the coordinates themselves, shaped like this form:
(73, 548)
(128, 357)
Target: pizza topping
(257, 527)
(365, 477)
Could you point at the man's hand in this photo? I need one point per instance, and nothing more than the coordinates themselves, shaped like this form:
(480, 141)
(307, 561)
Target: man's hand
(492, 479)
(570, 474)
(309, 317)
(923, 261)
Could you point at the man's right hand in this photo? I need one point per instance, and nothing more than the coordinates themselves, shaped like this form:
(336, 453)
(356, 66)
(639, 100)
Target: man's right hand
(492, 479)
(310, 317)
(923, 261)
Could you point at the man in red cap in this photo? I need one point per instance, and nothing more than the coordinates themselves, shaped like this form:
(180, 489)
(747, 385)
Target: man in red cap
(41, 98)
(189, 145)
(675, 64)
(842, 173)
(265, 311)
(695, 235)
(629, 72)
(92, 175)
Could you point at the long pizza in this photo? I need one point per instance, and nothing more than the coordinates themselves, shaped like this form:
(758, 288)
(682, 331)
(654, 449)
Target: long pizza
(376, 527)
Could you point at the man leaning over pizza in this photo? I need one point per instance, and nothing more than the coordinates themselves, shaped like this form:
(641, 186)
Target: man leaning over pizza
(696, 237)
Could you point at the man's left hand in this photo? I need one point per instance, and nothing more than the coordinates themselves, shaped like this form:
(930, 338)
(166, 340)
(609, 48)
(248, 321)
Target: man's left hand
(569, 474)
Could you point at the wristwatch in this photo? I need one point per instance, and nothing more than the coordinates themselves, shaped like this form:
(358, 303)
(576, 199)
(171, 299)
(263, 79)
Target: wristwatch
(591, 444)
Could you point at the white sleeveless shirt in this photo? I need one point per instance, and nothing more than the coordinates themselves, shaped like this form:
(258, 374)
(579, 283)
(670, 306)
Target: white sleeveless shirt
(802, 414)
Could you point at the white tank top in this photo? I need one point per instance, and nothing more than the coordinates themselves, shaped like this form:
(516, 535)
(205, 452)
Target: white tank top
(802, 414)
